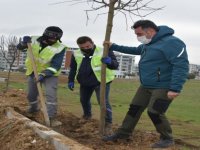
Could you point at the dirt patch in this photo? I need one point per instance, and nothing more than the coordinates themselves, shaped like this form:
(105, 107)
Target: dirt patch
(15, 135)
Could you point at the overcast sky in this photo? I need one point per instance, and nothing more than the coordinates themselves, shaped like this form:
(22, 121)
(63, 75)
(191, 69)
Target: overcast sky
(31, 17)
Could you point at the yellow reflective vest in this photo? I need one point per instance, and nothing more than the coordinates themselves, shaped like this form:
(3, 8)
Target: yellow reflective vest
(43, 58)
(95, 64)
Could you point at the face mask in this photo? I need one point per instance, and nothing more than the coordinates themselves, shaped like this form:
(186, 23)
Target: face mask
(143, 39)
(50, 42)
(87, 51)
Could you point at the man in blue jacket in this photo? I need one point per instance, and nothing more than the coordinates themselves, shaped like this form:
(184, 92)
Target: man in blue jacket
(163, 69)
(86, 66)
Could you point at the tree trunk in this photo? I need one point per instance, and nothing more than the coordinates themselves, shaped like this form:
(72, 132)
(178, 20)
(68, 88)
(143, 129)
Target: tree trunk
(103, 66)
(8, 79)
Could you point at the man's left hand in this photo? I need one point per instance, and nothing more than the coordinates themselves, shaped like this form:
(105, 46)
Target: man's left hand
(171, 95)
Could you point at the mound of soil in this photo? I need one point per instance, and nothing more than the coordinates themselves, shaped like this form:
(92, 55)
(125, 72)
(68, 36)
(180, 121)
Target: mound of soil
(15, 135)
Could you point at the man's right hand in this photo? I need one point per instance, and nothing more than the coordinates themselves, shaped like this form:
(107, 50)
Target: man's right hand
(71, 86)
(26, 39)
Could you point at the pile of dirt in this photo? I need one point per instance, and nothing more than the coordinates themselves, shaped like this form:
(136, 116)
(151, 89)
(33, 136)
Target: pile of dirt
(15, 135)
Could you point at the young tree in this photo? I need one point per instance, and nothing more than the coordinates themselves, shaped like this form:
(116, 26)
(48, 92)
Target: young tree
(8, 51)
(139, 8)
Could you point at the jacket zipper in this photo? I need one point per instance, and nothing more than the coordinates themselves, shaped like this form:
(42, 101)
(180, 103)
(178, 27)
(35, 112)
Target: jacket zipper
(142, 56)
(158, 74)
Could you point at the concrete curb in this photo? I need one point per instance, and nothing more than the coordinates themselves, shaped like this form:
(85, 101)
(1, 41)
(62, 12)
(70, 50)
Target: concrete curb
(59, 141)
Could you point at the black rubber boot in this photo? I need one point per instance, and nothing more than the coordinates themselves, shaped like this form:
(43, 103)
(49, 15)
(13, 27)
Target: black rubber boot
(163, 143)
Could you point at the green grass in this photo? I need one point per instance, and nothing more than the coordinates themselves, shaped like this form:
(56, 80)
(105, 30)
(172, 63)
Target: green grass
(187, 106)
(183, 112)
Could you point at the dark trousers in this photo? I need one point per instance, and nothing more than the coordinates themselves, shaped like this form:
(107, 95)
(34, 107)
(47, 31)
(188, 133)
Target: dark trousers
(85, 97)
(157, 103)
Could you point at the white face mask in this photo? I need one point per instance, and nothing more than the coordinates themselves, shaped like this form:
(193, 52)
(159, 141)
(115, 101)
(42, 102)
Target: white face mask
(143, 39)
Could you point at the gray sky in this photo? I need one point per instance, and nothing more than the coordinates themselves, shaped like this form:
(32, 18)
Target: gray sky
(31, 17)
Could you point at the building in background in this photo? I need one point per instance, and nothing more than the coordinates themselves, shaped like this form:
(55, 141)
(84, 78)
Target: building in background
(127, 66)
(67, 59)
(3, 62)
(195, 70)
(9, 58)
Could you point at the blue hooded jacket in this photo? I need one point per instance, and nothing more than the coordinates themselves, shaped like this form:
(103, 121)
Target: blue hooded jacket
(164, 61)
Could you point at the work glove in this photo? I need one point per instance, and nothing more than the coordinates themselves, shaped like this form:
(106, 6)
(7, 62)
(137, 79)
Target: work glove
(106, 60)
(71, 86)
(41, 77)
(26, 39)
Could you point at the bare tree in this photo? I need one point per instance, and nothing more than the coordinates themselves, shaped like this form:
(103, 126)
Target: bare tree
(8, 51)
(139, 8)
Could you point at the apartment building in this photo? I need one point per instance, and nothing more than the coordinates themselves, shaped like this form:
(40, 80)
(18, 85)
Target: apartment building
(66, 60)
(127, 66)
(3, 62)
(193, 68)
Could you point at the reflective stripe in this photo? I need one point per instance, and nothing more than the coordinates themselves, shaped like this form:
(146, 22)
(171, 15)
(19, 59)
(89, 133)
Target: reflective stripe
(97, 68)
(181, 52)
(49, 103)
(42, 60)
(52, 69)
(34, 102)
(109, 110)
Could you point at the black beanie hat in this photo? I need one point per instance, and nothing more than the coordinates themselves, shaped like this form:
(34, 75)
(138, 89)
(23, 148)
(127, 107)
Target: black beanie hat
(53, 32)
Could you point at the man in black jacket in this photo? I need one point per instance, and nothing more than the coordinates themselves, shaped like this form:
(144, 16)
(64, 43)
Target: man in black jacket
(86, 66)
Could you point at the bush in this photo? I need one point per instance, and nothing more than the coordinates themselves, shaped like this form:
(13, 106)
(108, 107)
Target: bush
(191, 76)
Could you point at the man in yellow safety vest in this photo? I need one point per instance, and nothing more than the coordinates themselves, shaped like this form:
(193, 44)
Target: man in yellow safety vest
(48, 52)
(86, 66)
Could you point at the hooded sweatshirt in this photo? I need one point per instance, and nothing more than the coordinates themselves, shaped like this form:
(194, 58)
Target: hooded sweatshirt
(164, 61)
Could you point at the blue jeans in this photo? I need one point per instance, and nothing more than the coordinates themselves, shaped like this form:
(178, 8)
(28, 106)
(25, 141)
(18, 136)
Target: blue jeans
(85, 96)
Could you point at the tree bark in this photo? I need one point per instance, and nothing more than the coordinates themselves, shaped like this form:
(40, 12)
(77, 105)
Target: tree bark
(103, 66)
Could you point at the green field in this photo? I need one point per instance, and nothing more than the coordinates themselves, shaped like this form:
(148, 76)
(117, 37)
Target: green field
(184, 112)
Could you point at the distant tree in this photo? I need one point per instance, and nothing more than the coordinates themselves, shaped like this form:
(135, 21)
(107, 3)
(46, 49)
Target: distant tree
(8, 50)
(191, 76)
(131, 8)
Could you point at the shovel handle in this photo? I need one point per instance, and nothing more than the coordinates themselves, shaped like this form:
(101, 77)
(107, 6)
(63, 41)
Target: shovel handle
(42, 101)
